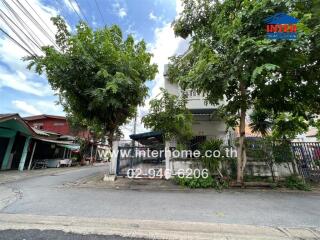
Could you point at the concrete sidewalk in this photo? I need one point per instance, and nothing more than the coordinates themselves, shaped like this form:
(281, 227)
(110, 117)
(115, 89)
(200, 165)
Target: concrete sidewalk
(152, 229)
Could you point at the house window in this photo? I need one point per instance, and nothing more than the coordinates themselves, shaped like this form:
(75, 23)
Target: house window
(38, 125)
(58, 124)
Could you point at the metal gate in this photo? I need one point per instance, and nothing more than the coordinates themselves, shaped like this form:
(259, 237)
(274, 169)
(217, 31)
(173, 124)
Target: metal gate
(307, 156)
(141, 161)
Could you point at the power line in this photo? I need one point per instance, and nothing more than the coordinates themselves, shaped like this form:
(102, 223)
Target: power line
(24, 25)
(40, 18)
(75, 10)
(18, 35)
(81, 11)
(34, 21)
(16, 42)
(16, 16)
(100, 11)
(2, 14)
(83, 48)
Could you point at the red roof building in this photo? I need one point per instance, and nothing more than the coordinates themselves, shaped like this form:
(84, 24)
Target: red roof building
(51, 123)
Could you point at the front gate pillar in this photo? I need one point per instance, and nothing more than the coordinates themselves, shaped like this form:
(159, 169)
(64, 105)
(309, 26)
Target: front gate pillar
(167, 173)
(114, 158)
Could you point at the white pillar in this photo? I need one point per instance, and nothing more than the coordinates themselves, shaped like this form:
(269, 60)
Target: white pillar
(167, 158)
(114, 157)
(31, 158)
(24, 153)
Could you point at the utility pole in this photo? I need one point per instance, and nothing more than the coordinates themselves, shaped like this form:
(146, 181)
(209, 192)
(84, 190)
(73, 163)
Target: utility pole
(135, 124)
(134, 128)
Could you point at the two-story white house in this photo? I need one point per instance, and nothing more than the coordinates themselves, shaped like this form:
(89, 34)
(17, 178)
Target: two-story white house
(206, 124)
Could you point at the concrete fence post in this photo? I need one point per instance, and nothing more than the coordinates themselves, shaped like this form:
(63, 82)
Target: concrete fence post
(114, 156)
(167, 158)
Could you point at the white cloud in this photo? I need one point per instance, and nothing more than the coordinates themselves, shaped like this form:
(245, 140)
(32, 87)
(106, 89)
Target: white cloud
(49, 107)
(26, 108)
(165, 46)
(121, 11)
(42, 16)
(94, 21)
(18, 77)
(19, 82)
(35, 107)
(154, 17)
(179, 7)
(135, 34)
(72, 5)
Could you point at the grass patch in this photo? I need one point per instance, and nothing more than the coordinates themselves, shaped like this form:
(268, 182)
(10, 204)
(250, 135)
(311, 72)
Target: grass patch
(296, 183)
(201, 182)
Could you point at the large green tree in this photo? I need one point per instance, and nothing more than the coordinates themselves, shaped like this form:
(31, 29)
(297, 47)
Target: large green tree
(230, 58)
(169, 114)
(99, 75)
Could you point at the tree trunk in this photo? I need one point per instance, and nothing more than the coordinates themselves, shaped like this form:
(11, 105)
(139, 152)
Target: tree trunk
(110, 139)
(242, 158)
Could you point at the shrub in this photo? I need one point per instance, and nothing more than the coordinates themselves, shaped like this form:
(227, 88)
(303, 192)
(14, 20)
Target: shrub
(294, 182)
(201, 182)
(211, 163)
(282, 152)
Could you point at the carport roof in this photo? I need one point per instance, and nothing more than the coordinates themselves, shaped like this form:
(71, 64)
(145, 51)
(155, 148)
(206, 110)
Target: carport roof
(148, 138)
(14, 121)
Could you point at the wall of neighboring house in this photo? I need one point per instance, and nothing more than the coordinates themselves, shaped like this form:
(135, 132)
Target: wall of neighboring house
(51, 124)
(14, 146)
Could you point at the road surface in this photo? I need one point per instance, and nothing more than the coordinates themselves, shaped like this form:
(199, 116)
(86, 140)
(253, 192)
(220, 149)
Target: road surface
(34, 234)
(48, 195)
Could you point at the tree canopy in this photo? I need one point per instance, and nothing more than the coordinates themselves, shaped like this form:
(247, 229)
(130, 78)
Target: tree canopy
(99, 75)
(169, 114)
(230, 58)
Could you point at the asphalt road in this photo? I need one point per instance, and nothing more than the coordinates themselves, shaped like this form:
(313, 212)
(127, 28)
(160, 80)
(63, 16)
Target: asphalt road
(47, 195)
(54, 235)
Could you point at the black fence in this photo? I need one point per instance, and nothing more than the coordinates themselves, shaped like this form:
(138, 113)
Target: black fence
(140, 159)
(301, 157)
(307, 157)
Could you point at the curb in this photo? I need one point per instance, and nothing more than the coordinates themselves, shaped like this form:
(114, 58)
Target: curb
(150, 229)
(97, 181)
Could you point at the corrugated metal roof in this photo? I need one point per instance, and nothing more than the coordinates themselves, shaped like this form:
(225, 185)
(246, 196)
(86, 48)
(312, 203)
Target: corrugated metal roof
(6, 118)
(43, 116)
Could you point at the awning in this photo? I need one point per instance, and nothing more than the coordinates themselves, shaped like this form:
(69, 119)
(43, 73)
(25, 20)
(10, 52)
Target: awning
(71, 147)
(148, 138)
(65, 144)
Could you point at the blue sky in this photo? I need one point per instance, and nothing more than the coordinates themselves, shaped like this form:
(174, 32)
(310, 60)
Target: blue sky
(26, 93)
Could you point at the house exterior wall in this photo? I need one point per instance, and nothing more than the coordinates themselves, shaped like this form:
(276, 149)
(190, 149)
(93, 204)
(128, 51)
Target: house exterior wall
(51, 124)
(195, 100)
(210, 129)
(203, 125)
